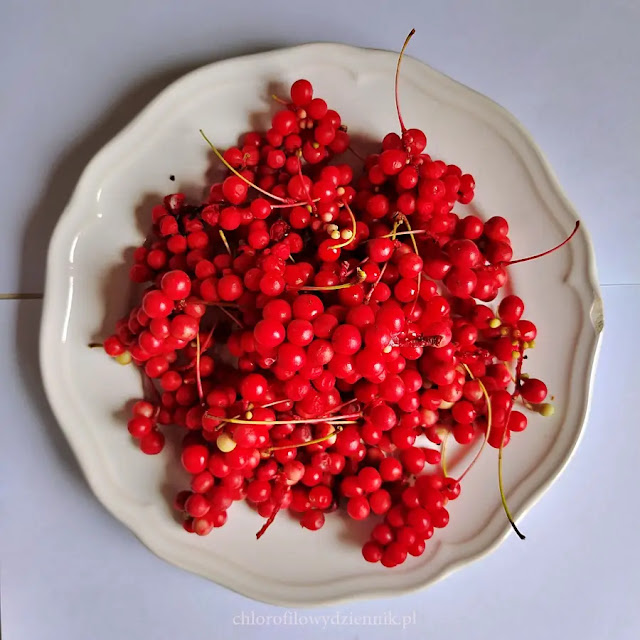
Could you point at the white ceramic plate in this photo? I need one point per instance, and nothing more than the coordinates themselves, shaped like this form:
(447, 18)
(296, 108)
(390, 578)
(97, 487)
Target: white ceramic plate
(87, 289)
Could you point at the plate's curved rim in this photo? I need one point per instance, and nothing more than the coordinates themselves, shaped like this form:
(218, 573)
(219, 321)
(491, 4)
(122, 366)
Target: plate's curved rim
(108, 496)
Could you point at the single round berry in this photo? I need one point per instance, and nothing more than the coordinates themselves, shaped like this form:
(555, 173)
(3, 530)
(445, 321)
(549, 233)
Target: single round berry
(358, 507)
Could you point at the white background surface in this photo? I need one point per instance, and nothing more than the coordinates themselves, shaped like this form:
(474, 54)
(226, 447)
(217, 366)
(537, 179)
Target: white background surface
(74, 73)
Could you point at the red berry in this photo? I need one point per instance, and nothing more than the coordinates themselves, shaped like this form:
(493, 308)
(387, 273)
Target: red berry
(301, 92)
(152, 443)
(358, 507)
(372, 552)
(533, 390)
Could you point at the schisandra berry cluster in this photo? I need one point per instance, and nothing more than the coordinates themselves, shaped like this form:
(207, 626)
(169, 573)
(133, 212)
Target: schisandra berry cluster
(307, 327)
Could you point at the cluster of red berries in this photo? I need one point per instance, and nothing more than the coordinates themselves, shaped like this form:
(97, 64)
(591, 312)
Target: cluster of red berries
(318, 336)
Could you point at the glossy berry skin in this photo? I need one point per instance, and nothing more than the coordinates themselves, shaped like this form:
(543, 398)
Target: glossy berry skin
(157, 304)
(253, 387)
(533, 390)
(358, 507)
(194, 458)
(346, 339)
(269, 333)
(511, 309)
(152, 443)
(312, 520)
(372, 552)
(176, 284)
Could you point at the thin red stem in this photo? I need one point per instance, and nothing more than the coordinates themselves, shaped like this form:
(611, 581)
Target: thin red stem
(545, 253)
(310, 202)
(375, 284)
(198, 376)
(356, 154)
(292, 204)
(269, 521)
(230, 315)
(207, 341)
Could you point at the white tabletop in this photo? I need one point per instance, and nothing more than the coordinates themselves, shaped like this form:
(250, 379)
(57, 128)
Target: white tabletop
(74, 72)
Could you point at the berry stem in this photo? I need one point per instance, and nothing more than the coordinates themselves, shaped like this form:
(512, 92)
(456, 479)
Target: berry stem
(413, 232)
(503, 497)
(515, 394)
(404, 46)
(360, 277)
(230, 315)
(333, 287)
(228, 305)
(203, 348)
(443, 453)
(287, 205)
(269, 521)
(356, 154)
(198, 376)
(272, 404)
(305, 444)
(548, 251)
(224, 239)
(207, 342)
(310, 201)
(338, 420)
(353, 229)
(21, 296)
(487, 433)
(237, 173)
(341, 406)
(367, 300)
(415, 247)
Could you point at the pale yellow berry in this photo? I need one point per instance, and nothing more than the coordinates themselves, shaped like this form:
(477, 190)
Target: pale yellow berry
(340, 191)
(327, 217)
(248, 415)
(346, 234)
(494, 323)
(225, 443)
(123, 358)
(445, 405)
(504, 331)
(335, 235)
(546, 409)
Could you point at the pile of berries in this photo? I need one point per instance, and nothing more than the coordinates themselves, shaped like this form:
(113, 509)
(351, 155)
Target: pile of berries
(319, 333)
